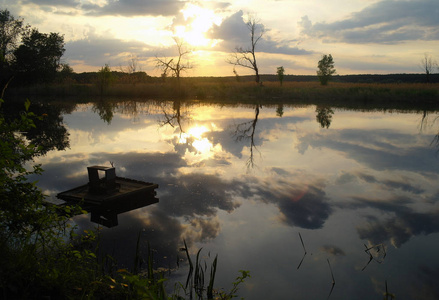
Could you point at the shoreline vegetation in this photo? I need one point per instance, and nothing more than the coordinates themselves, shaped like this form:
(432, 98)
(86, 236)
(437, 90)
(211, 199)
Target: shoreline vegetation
(336, 94)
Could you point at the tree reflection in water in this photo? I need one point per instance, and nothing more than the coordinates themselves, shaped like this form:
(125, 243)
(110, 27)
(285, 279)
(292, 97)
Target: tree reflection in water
(105, 109)
(173, 118)
(49, 132)
(324, 116)
(246, 131)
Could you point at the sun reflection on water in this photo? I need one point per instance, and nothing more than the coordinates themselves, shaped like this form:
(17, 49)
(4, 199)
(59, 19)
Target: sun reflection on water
(194, 137)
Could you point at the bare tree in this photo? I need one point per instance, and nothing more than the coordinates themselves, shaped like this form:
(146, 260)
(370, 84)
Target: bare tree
(246, 57)
(133, 73)
(427, 64)
(175, 65)
(132, 65)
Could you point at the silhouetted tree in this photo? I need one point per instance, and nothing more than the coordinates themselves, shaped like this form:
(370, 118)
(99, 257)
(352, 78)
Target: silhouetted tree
(246, 57)
(104, 78)
(175, 65)
(427, 65)
(326, 69)
(38, 57)
(280, 74)
(238, 79)
(65, 74)
(132, 72)
(11, 30)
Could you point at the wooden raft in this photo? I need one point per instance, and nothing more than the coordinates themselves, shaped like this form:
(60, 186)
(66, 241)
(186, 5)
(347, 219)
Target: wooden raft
(110, 188)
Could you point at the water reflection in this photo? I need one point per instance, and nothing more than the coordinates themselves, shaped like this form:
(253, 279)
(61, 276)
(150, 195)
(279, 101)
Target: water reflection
(324, 116)
(49, 132)
(172, 118)
(105, 109)
(371, 179)
(107, 215)
(246, 132)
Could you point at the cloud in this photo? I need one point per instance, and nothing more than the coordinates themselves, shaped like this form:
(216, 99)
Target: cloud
(130, 8)
(197, 195)
(377, 150)
(333, 250)
(64, 3)
(96, 50)
(301, 205)
(400, 228)
(234, 33)
(392, 184)
(384, 22)
(310, 211)
(402, 224)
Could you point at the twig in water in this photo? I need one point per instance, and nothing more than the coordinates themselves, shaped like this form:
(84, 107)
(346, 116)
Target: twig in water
(371, 257)
(304, 250)
(333, 280)
(387, 294)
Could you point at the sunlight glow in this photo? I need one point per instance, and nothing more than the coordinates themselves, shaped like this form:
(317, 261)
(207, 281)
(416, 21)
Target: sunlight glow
(200, 143)
(198, 131)
(201, 20)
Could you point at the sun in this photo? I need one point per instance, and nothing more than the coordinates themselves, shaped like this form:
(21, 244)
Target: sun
(199, 20)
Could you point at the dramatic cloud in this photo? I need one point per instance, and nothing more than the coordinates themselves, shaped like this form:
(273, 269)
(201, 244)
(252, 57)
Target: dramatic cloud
(198, 195)
(402, 222)
(95, 50)
(385, 22)
(309, 211)
(234, 33)
(400, 228)
(301, 205)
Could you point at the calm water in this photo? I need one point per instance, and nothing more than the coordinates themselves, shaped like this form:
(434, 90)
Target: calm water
(248, 183)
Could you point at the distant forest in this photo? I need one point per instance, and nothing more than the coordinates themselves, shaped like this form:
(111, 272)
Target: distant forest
(142, 77)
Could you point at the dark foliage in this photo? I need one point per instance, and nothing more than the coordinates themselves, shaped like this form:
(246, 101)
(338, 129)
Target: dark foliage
(38, 58)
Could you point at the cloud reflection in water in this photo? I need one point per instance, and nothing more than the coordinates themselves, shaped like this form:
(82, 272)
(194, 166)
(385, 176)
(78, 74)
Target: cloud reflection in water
(341, 187)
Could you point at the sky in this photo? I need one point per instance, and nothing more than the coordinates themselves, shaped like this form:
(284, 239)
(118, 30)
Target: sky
(363, 36)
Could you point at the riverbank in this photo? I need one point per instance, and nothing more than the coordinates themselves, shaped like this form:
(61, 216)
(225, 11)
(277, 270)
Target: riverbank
(352, 95)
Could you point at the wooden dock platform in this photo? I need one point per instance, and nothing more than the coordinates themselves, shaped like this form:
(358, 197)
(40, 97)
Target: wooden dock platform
(109, 196)
(127, 188)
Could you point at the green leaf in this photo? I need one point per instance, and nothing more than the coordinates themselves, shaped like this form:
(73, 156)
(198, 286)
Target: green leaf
(27, 104)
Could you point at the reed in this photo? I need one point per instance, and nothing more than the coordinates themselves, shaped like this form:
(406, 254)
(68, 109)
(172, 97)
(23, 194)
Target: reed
(195, 286)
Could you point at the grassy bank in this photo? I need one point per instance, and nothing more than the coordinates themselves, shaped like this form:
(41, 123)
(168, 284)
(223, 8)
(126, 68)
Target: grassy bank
(226, 90)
